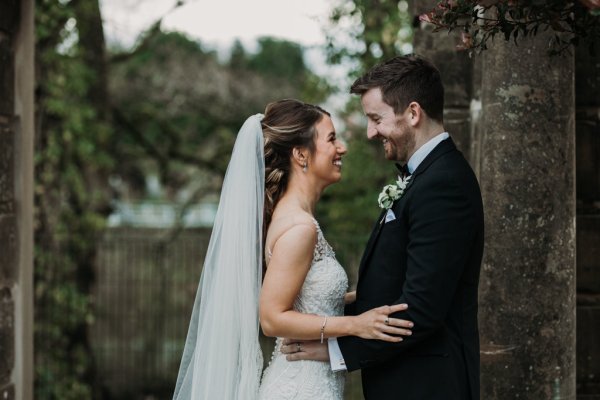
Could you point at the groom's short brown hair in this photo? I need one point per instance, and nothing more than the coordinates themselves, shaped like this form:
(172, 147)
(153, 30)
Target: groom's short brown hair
(404, 79)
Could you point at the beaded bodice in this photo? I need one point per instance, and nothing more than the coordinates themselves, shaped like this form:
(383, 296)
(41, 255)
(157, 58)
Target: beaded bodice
(323, 294)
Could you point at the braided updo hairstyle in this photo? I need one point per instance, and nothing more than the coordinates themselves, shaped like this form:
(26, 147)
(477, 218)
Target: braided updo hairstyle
(287, 124)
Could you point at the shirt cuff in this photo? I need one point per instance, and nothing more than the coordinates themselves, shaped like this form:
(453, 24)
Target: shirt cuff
(336, 359)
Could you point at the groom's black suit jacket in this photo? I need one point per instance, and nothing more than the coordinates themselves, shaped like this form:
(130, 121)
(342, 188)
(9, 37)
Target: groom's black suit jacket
(428, 257)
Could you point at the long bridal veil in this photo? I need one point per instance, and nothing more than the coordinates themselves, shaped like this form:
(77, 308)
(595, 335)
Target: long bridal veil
(222, 358)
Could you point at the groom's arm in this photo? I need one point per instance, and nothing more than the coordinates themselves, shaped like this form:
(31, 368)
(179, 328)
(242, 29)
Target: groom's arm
(443, 226)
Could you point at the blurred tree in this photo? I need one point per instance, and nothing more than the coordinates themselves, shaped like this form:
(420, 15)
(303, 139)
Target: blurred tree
(166, 106)
(178, 109)
(372, 30)
(70, 197)
(239, 59)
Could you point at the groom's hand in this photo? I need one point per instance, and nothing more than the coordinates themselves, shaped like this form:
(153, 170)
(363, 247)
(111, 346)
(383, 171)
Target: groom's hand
(305, 350)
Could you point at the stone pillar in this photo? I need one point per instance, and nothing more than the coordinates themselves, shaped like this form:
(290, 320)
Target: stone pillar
(16, 199)
(462, 99)
(587, 87)
(527, 286)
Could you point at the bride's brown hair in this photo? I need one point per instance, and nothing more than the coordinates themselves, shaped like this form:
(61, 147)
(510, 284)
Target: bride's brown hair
(287, 124)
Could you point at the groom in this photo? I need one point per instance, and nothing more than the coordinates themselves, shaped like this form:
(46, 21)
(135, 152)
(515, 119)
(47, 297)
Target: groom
(425, 250)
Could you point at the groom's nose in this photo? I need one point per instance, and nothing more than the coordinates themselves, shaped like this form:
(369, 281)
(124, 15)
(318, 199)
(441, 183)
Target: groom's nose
(371, 130)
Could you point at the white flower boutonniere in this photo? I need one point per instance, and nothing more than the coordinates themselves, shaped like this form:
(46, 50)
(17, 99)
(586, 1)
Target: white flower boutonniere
(391, 193)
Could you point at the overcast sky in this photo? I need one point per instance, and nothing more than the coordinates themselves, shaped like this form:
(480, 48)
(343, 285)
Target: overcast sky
(219, 22)
(216, 24)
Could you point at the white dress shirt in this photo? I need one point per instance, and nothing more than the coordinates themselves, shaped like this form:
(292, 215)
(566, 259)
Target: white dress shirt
(336, 359)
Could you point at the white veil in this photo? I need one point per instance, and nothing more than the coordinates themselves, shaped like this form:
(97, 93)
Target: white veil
(222, 358)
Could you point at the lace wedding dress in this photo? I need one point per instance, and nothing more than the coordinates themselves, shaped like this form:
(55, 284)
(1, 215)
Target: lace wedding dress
(323, 294)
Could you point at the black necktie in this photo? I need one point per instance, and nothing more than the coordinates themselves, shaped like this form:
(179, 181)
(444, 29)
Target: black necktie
(403, 169)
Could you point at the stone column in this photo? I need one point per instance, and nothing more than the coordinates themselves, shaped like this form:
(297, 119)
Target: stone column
(587, 84)
(527, 286)
(16, 199)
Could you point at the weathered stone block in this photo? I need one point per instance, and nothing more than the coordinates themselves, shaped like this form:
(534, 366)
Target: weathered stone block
(8, 249)
(7, 170)
(7, 73)
(457, 122)
(527, 286)
(6, 334)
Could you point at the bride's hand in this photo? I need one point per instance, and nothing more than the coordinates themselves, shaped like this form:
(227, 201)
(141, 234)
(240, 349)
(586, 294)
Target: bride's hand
(376, 324)
(350, 297)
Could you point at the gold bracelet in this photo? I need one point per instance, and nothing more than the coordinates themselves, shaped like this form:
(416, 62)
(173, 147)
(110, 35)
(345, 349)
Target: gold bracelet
(323, 329)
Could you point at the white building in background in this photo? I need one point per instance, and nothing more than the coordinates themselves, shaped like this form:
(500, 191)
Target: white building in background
(153, 214)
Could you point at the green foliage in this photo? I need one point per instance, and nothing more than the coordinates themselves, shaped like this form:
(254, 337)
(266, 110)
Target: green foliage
(177, 107)
(480, 21)
(173, 109)
(71, 201)
(278, 59)
(374, 30)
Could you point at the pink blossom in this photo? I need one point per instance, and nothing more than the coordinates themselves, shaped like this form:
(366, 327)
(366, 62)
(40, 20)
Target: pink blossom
(467, 40)
(425, 17)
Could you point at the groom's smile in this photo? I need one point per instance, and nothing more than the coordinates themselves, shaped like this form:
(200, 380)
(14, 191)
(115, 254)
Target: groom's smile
(384, 124)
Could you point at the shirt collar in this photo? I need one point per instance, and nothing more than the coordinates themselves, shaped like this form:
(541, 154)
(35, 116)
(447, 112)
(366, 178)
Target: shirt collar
(424, 151)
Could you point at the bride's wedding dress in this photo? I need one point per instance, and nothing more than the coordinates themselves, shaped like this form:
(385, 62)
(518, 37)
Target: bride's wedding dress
(222, 358)
(323, 294)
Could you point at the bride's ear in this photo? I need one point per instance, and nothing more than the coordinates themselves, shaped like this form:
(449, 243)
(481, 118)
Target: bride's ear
(300, 156)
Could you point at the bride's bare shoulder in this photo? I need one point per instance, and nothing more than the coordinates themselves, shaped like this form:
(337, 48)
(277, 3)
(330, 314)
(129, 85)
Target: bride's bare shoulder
(295, 221)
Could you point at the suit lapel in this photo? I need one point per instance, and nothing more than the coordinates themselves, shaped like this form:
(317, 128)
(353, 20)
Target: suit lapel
(442, 148)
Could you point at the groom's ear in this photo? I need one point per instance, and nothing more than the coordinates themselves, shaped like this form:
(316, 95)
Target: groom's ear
(414, 113)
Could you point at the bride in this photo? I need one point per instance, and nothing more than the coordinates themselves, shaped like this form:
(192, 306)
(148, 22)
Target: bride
(281, 163)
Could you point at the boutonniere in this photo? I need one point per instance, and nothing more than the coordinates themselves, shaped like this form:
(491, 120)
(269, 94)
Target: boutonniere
(391, 193)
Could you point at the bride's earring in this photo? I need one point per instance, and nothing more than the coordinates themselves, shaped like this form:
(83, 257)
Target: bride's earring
(305, 167)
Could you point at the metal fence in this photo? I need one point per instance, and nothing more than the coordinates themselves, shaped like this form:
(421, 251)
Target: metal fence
(146, 281)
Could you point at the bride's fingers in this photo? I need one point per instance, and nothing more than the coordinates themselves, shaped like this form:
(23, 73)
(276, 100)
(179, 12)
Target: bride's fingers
(396, 331)
(388, 338)
(402, 323)
(396, 307)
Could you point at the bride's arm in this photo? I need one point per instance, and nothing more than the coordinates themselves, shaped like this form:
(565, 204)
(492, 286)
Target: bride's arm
(287, 269)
